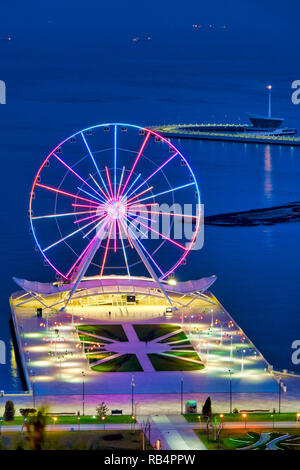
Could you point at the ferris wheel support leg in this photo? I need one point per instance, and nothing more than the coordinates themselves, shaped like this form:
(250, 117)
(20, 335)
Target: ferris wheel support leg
(86, 261)
(149, 268)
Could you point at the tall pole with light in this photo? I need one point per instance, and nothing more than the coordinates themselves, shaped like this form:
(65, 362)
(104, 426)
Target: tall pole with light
(83, 375)
(181, 395)
(230, 391)
(132, 395)
(269, 88)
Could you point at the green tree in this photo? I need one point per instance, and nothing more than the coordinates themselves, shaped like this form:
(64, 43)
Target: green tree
(35, 425)
(9, 412)
(102, 410)
(206, 409)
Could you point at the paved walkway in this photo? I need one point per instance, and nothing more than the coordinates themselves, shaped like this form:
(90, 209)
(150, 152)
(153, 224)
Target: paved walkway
(55, 362)
(176, 434)
(140, 347)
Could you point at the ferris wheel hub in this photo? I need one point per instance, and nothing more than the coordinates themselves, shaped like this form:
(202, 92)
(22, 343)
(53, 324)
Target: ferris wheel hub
(115, 209)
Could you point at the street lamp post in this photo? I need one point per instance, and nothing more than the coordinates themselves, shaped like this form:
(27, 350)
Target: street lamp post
(83, 375)
(230, 391)
(269, 87)
(279, 395)
(244, 416)
(242, 361)
(181, 395)
(132, 395)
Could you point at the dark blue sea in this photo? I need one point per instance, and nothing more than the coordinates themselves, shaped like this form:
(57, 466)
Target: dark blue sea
(58, 83)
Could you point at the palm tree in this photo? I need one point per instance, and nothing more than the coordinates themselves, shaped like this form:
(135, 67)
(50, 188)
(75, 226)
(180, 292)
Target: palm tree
(35, 428)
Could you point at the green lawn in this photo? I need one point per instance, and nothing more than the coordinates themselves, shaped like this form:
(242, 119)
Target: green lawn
(115, 332)
(188, 354)
(193, 418)
(177, 337)
(79, 440)
(111, 419)
(97, 357)
(91, 339)
(232, 439)
(148, 332)
(124, 363)
(164, 363)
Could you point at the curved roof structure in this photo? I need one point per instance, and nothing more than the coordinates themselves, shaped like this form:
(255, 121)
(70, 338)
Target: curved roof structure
(116, 283)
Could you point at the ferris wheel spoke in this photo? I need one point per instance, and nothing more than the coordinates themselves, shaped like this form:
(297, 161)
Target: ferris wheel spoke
(162, 235)
(154, 173)
(85, 205)
(91, 195)
(86, 249)
(51, 216)
(140, 194)
(135, 162)
(166, 192)
(103, 218)
(120, 182)
(106, 196)
(148, 219)
(123, 248)
(86, 218)
(68, 236)
(106, 249)
(75, 173)
(80, 257)
(126, 233)
(109, 182)
(115, 160)
(65, 193)
(132, 184)
(93, 160)
(183, 216)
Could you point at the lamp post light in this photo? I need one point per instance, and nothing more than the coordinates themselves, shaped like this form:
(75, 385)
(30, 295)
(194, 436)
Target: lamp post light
(230, 348)
(212, 319)
(221, 416)
(181, 395)
(230, 391)
(199, 417)
(103, 421)
(132, 422)
(242, 361)
(297, 416)
(273, 418)
(83, 375)
(54, 421)
(269, 88)
(244, 416)
(132, 395)
(279, 396)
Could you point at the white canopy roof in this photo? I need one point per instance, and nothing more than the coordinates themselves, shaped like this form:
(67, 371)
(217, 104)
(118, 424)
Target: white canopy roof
(124, 284)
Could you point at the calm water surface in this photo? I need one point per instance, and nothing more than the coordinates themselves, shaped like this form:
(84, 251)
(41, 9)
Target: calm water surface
(55, 90)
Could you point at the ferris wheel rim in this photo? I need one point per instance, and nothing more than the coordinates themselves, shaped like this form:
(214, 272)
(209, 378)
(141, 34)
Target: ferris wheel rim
(97, 126)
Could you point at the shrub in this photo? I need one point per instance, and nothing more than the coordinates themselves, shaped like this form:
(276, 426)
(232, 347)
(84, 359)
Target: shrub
(27, 411)
(206, 409)
(9, 412)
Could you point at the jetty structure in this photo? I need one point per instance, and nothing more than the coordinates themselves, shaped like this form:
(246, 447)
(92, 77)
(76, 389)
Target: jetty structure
(119, 316)
(266, 129)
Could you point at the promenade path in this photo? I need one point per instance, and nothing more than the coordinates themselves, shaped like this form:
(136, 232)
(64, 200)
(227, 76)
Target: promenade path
(55, 363)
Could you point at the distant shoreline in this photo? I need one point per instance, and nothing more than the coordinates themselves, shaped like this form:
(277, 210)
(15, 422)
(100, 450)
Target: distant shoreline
(254, 217)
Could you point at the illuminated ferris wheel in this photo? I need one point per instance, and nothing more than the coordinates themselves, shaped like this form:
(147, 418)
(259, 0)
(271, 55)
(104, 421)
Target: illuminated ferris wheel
(98, 201)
